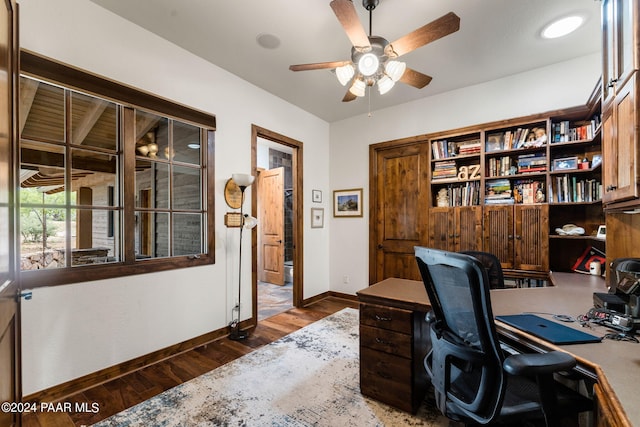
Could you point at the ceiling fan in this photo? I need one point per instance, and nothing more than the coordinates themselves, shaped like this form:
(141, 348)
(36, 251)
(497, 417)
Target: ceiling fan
(373, 58)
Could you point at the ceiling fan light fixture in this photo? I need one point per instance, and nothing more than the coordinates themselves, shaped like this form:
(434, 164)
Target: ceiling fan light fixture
(385, 84)
(395, 69)
(358, 87)
(368, 64)
(345, 73)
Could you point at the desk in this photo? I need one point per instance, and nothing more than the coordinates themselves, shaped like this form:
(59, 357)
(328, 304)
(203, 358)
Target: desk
(615, 365)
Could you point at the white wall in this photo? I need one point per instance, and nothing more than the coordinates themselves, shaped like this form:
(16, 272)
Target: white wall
(558, 86)
(70, 331)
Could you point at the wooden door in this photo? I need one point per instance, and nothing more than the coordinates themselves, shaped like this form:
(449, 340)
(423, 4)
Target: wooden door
(468, 229)
(399, 210)
(10, 390)
(271, 226)
(498, 233)
(441, 228)
(532, 237)
(620, 150)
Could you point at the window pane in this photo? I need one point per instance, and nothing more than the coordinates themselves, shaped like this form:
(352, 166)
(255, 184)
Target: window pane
(186, 143)
(152, 184)
(42, 171)
(187, 234)
(41, 110)
(152, 235)
(92, 175)
(92, 243)
(42, 238)
(187, 193)
(93, 122)
(152, 135)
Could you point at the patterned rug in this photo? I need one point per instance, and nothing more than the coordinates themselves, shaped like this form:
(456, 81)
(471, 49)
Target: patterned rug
(307, 378)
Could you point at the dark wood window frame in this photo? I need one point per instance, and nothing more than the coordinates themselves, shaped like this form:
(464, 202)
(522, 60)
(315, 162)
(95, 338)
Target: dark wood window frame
(57, 73)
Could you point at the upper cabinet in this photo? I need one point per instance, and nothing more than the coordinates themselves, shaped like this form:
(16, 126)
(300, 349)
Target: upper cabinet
(620, 45)
(620, 111)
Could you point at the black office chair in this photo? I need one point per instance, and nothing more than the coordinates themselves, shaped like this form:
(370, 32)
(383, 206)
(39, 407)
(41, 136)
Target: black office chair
(492, 264)
(473, 381)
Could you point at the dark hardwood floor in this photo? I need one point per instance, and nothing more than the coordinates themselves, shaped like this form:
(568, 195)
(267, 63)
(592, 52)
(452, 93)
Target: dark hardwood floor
(131, 389)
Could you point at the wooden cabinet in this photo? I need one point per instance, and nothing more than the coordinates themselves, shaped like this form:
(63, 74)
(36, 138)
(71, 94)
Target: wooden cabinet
(518, 236)
(620, 45)
(456, 229)
(393, 344)
(620, 147)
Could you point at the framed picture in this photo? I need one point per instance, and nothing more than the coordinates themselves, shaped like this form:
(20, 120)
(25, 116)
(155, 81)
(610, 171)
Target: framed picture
(596, 160)
(602, 232)
(565, 163)
(316, 196)
(317, 217)
(347, 203)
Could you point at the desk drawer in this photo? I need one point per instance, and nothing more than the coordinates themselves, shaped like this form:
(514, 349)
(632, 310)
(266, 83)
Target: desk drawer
(386, 341)
(393, 319)
(386, 378)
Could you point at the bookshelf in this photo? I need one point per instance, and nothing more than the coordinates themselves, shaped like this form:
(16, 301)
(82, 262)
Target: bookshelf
(546, 167)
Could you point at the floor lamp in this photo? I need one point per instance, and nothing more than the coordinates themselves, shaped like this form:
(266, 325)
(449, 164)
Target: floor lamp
(243, 181)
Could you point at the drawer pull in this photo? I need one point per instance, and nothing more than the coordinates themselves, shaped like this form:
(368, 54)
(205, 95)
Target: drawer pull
(381, 341)
(383, 319)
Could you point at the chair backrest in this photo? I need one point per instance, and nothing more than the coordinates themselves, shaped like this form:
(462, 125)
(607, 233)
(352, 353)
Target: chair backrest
(465, 363)
(492, 264)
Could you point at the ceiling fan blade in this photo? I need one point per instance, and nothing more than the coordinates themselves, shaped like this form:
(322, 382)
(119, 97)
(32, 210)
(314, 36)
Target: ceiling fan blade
(415, 78)
(318, 65)
(443, 26)
(348, 97)
(346, 13)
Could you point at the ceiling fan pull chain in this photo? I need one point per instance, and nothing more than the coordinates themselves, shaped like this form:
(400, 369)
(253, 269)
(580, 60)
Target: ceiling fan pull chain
(369, 99)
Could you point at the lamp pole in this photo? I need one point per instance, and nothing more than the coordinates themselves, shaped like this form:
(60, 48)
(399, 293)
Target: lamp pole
(242, 181)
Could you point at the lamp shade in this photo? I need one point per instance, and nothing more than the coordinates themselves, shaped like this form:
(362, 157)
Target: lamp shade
(250, 221)
(395, 69)
(243, 179)
(357, 88)
(368, 64)
(385, 84)
(344, 74)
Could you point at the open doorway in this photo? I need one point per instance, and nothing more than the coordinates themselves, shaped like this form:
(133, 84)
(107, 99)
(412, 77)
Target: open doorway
(277, 272)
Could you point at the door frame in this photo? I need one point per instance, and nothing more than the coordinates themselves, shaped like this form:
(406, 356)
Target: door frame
(297, 208)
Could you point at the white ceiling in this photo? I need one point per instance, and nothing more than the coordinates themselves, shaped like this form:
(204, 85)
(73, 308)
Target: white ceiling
(497, 38)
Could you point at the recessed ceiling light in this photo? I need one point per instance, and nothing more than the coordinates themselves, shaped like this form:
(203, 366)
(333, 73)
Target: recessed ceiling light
(268, 41)
(562, 27)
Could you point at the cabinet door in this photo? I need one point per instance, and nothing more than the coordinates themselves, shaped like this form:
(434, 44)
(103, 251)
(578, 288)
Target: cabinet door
(609, 71)
(441, 228)
(468, 229)
(498, 233)
(620, 151)
(532, 237)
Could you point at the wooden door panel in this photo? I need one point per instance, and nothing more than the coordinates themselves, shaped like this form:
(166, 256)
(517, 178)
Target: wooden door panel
(399, 210)
(441, 228)
(271, 226)
(532, 237)
(468, 228)
(498, 233)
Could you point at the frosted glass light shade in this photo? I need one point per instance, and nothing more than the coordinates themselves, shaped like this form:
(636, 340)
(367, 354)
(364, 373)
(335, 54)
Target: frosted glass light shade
(562, 27)
(368, 64)
(345, 73)
(385, 84)
(357, 88)
(395, 69)
(242, 179)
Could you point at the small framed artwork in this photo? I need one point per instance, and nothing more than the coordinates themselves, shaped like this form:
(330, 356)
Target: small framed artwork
(347, 203)
(316, 196)
(317, 217)
(596, 160)
(565, 163)
(602, 232)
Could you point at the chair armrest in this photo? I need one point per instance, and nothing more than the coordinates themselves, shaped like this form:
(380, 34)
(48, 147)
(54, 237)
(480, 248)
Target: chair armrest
(538, 363)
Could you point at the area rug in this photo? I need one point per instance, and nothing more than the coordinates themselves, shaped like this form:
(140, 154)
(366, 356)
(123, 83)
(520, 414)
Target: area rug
(308, 378)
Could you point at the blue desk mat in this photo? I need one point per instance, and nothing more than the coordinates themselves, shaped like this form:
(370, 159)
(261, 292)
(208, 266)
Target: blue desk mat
(552, 332)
